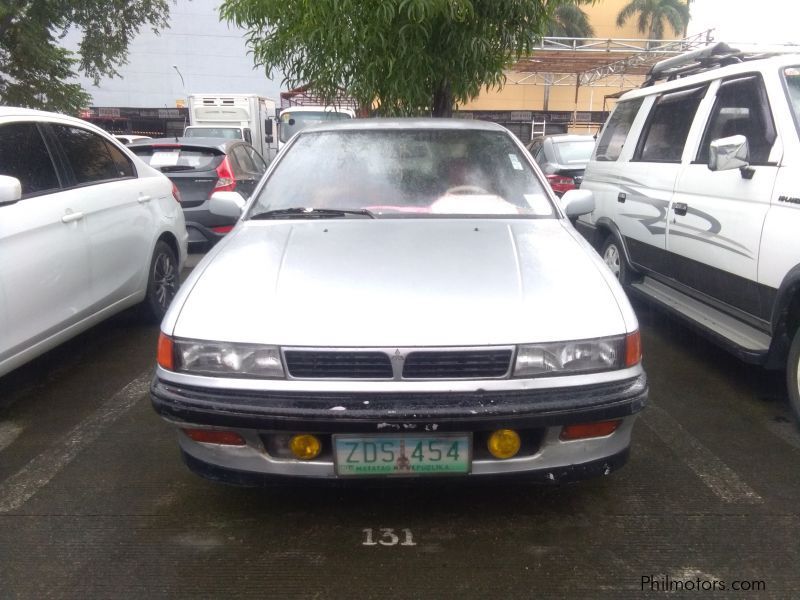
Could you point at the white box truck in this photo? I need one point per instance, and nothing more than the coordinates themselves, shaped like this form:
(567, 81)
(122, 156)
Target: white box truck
(240, 116)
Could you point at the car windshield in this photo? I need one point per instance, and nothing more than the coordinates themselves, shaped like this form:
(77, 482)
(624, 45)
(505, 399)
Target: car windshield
(574, 152)
(792, 77)
(396, 173)
(292, 122)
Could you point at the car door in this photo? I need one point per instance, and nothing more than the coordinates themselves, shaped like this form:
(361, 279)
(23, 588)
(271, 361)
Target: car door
(44, 271)
(118, 208)
(649, 178)
(716, 217)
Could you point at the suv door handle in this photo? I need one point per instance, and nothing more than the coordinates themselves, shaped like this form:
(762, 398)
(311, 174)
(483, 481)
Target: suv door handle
(621, 197)
(680, 208)
(70, 216)
(144, 198)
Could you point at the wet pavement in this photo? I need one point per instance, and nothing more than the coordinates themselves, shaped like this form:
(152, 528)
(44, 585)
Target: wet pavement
(95, 502)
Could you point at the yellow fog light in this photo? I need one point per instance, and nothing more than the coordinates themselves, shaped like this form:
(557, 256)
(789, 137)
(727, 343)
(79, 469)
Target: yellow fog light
(504, 443)
(305, 446)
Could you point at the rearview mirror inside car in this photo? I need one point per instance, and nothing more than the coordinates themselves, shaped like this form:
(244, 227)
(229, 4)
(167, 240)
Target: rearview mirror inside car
(10, 190)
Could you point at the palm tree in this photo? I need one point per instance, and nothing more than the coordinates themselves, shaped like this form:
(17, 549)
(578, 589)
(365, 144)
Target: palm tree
(653, 13)
(570, 20)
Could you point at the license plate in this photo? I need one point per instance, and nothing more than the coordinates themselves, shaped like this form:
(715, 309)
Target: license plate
(401, 455)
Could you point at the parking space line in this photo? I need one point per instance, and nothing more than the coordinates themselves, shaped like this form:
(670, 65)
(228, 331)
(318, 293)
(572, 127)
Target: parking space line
(25, 483)
(714, 473)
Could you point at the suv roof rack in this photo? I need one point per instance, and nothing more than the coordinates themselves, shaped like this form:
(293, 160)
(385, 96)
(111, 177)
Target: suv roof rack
(706, 59)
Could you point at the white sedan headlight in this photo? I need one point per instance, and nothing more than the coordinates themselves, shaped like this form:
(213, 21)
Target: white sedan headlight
(564, 358)
(223, 358)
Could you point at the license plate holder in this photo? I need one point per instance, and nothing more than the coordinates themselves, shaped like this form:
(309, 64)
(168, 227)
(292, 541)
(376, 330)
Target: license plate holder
(402, 454)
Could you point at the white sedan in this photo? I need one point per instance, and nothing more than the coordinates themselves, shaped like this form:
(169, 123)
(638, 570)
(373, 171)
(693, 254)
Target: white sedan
(86, 230)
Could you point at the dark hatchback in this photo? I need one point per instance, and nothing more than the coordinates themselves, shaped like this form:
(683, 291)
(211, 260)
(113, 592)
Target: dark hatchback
(562, 158)
(199, 167)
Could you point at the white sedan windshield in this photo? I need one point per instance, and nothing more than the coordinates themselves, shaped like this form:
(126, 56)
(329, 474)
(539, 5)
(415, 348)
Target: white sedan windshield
(425, 172)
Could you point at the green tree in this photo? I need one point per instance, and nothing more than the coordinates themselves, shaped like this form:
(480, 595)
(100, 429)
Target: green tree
(571, 21)
(35, 70)
(403, 57)
(653, 13)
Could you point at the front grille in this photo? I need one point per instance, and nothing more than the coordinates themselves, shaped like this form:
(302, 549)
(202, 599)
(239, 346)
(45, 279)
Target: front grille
(305, 364)
(451, 364)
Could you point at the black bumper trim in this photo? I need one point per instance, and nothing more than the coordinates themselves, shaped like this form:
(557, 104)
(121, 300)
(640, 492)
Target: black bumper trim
(366, 412)
(554, 475)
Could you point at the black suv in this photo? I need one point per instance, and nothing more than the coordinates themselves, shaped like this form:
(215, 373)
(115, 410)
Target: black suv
(199, 167)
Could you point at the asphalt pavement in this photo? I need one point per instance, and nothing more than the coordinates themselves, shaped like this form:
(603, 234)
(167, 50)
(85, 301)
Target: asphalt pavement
(95, 502)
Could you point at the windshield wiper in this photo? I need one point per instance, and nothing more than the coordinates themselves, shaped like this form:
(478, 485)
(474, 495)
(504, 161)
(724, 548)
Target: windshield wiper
(311, 213)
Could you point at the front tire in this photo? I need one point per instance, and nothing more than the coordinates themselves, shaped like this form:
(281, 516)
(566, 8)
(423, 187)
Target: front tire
(162, 281)
(615, 259)
(793, 375)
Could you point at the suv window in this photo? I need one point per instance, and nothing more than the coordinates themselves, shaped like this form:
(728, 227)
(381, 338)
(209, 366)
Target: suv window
(668, 126)
(619, 124)
(88, 155)
(261, 166)
(741, 108)
(23, 155)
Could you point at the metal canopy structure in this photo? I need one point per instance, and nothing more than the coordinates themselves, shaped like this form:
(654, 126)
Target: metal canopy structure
(598, 62)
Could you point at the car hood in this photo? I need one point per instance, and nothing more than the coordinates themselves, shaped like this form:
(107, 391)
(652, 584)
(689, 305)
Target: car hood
(399, 282)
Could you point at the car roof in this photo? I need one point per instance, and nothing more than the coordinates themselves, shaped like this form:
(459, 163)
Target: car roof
(566, 137)
(16, 111)
(222, 144)
(749, 66)
(405, 125)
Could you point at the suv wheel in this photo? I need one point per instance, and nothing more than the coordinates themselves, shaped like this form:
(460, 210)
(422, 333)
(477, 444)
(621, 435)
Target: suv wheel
(614, 259)
(793, 375)
(162, 281)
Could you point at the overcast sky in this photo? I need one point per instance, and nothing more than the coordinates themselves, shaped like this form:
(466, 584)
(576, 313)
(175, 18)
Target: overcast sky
(757, 21)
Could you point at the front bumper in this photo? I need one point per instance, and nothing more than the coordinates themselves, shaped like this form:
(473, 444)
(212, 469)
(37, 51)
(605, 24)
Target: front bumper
(540, 413)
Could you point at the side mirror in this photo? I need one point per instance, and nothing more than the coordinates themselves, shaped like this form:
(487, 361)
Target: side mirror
(577, 202)
(268, 130)
(730, 153)
(226, 204)
(10, 190)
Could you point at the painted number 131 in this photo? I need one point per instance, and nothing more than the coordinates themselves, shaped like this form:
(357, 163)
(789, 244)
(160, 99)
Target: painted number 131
(387, 537)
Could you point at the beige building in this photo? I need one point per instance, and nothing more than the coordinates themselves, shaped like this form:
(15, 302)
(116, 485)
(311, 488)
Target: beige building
(566, 85)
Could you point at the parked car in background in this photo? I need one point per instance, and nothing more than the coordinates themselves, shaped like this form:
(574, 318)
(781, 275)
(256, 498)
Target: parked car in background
(401, 298)
(562, 158)
(86, 230)
(127, 138)
(697, 182)
(199, 167)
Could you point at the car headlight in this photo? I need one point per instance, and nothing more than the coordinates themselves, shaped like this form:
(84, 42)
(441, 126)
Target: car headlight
(224, 358)
(566, 358)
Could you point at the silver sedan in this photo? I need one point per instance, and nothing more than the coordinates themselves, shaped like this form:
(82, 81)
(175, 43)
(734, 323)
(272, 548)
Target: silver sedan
(401, 298)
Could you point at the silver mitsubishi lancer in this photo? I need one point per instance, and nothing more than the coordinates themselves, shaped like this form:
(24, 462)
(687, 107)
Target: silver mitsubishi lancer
(401, 298)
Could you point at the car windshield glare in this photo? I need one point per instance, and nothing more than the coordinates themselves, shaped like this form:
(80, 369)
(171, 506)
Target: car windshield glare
(426, 172)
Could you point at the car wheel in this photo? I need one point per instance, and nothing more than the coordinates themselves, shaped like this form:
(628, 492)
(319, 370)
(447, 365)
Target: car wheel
(793, 375)
(162, 281)
(614, 259)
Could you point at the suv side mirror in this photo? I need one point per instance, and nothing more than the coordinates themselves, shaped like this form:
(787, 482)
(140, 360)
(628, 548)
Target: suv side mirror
(268, 130)
(729, 153)
(10, 190)
(577, 202)
(226, 204)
